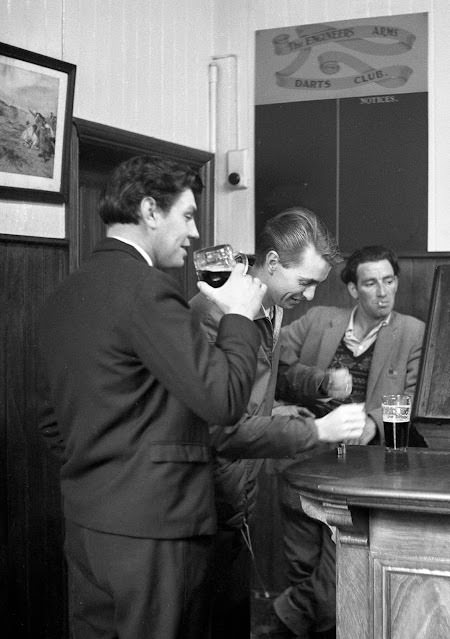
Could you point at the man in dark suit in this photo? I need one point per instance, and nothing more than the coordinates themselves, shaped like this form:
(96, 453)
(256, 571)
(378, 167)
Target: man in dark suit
(130, 384)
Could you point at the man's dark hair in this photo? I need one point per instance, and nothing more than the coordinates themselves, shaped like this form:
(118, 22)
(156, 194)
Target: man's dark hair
(367, 254)
(289, 233)
(142, 176)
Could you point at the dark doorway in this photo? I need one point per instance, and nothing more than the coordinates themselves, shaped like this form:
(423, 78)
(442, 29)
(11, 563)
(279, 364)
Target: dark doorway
(96, 150)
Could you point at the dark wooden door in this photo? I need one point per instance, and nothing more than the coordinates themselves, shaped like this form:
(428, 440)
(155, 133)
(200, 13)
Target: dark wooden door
(92, 179)
(97, 150)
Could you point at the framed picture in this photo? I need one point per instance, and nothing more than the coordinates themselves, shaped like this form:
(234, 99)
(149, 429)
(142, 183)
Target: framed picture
(36, 102)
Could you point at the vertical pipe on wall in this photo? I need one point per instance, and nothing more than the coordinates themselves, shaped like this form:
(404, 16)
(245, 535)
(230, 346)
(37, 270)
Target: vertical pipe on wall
(226, 138)
(212, 80)
(228, 98)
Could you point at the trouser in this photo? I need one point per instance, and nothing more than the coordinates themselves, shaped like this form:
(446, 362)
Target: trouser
(135, 588)
(231, 587)
(309, 604)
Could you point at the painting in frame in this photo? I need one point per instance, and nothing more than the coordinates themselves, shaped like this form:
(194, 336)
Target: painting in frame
(36, 102)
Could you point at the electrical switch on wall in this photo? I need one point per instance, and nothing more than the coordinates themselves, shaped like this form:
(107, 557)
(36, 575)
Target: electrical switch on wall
(237, 168)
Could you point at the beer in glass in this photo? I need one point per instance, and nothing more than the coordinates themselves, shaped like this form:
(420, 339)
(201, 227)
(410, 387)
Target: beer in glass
(396, 419)
(215, 263)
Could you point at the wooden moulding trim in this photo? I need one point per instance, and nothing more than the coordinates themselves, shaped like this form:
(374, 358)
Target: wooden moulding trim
(352, 523)
(54, 241)
(101, 135)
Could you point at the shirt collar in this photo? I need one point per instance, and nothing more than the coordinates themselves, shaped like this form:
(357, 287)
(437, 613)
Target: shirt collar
(374, 330)
(275, 316)
(138, 248)
(265, 312)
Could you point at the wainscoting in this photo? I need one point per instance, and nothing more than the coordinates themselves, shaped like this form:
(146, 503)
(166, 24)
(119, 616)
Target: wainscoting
(32, 528)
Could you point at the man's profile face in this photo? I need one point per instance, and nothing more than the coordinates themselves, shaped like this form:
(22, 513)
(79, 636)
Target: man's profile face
(375, 289)
(287, 286)
(176, 228)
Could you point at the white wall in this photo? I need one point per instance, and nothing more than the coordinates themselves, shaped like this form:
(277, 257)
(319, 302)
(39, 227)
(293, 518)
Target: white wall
(235, 24)
(142, 65)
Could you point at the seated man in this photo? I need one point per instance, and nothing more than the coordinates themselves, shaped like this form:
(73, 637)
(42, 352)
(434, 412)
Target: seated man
(381, 350)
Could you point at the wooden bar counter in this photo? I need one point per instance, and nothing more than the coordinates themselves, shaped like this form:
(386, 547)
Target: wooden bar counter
(392, 515)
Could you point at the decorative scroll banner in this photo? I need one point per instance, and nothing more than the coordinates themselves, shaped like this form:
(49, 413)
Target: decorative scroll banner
(349, 58)
(329, 62)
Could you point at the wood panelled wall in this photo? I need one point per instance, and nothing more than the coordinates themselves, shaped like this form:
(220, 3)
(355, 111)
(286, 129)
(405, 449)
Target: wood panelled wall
(31, 534)
(413, 297)
(31, 529)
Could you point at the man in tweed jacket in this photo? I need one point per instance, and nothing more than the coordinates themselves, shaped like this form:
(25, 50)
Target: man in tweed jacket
(381, 348)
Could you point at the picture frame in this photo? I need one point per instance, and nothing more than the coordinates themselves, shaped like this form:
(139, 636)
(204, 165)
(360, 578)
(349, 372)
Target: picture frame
(36, 103)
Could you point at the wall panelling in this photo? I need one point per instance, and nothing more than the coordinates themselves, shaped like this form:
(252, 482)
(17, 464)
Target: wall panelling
(31, 535)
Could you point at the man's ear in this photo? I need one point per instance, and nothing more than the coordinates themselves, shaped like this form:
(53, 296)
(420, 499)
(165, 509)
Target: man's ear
(272, 261)
(351, 287)
(149, 211)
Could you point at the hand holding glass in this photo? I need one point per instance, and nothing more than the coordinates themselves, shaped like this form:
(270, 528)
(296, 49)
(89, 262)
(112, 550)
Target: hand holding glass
(396, 418)
(339, 383)
(215, 263)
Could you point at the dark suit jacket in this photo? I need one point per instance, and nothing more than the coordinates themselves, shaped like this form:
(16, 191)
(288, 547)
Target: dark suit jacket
(130, 385)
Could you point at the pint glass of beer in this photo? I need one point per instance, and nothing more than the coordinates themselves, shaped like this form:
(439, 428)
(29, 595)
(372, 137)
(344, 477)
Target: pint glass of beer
(396, 418)
(215, 263)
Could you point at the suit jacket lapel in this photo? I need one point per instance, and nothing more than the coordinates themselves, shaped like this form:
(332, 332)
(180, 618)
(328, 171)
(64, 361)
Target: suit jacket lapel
(332, 336)
(381, 353)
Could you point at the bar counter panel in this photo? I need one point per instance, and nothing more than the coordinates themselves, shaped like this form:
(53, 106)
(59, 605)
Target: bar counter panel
(392, 515)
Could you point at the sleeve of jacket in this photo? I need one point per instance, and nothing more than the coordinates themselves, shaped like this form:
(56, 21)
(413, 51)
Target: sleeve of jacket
(297, 382)
(262, 437)
(254, 436)
(47, 421)
(213, 380)
(412, 369)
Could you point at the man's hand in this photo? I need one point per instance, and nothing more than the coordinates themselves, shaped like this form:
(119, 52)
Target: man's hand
(344, 424)
(369, 432)
(339, 384)
(241, 294)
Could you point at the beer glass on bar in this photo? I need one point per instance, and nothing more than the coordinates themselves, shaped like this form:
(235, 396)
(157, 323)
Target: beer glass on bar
(214, 264)
(340, 387)
(396, 418)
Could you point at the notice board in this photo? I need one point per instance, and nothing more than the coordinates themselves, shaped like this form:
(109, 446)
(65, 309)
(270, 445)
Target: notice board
(343, 128)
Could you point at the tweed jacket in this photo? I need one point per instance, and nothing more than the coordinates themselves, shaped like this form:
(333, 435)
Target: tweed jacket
(240, 448)
(129, 384)
(309, 343)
